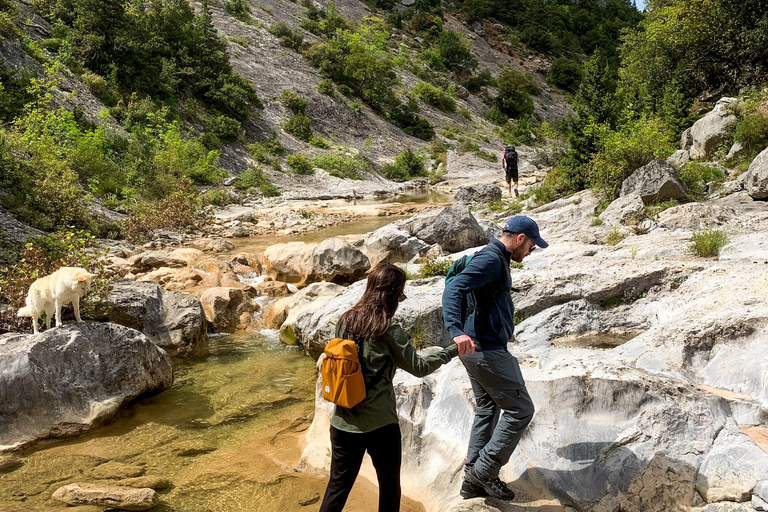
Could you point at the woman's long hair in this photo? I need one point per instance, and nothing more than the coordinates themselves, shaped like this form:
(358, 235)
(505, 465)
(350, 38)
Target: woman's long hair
(371, 316)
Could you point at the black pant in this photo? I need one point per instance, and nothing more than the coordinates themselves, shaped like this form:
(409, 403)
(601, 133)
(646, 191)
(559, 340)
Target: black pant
(383, 445)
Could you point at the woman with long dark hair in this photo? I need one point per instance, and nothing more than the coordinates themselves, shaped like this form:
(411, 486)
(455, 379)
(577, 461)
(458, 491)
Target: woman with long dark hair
(372, 424)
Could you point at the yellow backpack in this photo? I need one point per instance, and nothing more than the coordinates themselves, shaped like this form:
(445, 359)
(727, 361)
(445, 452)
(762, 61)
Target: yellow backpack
(343, 382)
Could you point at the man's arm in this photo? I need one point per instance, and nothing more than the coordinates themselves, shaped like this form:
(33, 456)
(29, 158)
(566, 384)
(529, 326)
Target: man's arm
(482, 270)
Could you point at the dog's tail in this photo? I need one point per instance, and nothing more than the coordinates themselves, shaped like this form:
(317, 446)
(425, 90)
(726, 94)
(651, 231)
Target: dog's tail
(25, 311)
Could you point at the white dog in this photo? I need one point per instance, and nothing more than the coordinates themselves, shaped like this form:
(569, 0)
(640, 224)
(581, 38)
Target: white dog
(50, 293)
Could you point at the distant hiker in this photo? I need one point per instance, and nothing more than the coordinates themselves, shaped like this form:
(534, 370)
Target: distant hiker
(509, 164)
(504, 408)
(372, 424)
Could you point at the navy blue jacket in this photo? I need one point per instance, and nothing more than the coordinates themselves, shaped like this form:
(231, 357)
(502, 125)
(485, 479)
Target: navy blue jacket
(490, 323)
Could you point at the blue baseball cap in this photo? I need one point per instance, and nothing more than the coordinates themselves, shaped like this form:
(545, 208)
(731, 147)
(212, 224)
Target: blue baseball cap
(526, 226)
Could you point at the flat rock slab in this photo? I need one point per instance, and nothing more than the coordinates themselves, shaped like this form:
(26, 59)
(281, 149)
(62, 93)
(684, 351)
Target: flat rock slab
(114, 469)
(147, 481)
(106, 496)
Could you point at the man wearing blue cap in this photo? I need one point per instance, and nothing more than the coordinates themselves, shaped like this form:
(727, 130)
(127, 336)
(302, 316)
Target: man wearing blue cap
(478, 313)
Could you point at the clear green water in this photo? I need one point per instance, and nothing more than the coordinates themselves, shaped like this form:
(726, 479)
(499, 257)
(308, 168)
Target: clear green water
(220, 434)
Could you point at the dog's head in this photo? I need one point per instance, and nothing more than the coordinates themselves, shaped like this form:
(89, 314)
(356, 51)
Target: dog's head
(84, 282)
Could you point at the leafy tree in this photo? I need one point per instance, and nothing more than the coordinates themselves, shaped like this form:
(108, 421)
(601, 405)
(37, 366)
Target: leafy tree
(565, 74)
(455, 52)
(514, 98)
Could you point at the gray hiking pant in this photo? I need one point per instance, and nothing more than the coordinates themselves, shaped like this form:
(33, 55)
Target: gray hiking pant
(504, 409)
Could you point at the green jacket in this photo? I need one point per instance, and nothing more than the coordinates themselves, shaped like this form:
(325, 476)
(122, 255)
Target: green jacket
(379, 360)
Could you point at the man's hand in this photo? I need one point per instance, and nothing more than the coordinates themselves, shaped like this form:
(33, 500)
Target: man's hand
(465, 344)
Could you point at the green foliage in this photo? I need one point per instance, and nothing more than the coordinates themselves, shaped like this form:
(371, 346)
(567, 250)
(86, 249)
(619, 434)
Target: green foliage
(708, 242)
(752, 132)
(238, 9)
(319, 142)
(514, 98)
(695, 177)
(266, 152)
(254, 177)
(14, 93)
(653, 210)
(177, 212)
(9, 14)
(300, 164)
(342, 165)
(597, 221)
(359, 60)
(294, 102)
(404, 116)
(626, 150)
(476, 82)
(435, 96)
(299, 126)
(455, 52)
(614, 236)
(683, 48)
(151, 49)
(327, 87)
(287, 36)
(408, 164)
(434, 266)
(41, 257)
(224, 128)
(324, 23)
(565, 74)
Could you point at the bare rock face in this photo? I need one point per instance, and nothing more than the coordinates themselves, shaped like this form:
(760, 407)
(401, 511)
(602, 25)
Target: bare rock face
(390, 244)
(225, 306)
(123, 498)
(679, 158)
(453, 227)
(695, 216)
(332, 260)
(68, 379)
(478, 194)
(623, 209)
(756, 180)
(655, 181)
(155, 259)
(709, 131)
(310, 298)
(174, 321)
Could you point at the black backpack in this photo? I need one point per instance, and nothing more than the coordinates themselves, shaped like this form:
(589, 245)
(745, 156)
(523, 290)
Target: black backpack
(511, 156)
(458, 267)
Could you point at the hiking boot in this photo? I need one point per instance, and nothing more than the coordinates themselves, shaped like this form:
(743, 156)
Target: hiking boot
(469, 491)
(493, 486)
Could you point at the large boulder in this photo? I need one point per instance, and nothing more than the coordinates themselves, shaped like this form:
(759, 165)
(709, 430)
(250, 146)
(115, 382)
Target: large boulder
(624, 209)
(696, 216)
(756, 180)
(335, 260)
(174, 321)
(332, 260)
(478, 194)
(287, 262)
(149, 260)
(390, 244)
(708, 132)
(66, 380)
(679, 158)
(227, 308)
(123, 498)
(453, 227)
(309, 298)
(655, 181)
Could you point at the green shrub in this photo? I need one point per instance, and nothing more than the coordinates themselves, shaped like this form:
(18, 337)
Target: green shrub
(597, 221)
(299, 126)
(224, 128)
(708, 242)
(14, 92)
(327, 87)
(403, 115)
(752, 132)
(264, 151)
(319, 142)
(435, 96)
(514, 98)
(455, 52)
(294, 102)
(286, 36)
(9, 14)
(614, 236)
(238, 9)
(216, 197)
(565, 74)
(394, 173)
(653, 210)
(476, 82)
(254, 177)
(300, 164)
(467, 145)
(434, 266)
(695, 177)
(177, 212)
(342, 166)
